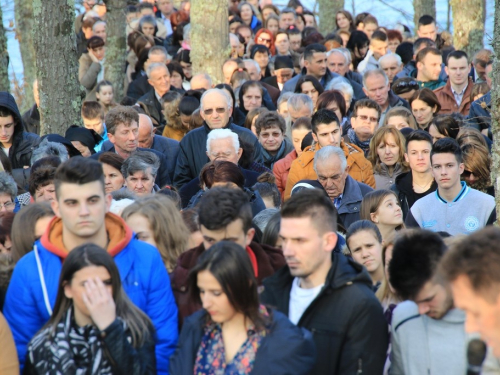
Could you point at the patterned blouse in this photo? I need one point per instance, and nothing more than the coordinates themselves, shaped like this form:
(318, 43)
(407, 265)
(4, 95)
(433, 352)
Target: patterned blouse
(211, 357)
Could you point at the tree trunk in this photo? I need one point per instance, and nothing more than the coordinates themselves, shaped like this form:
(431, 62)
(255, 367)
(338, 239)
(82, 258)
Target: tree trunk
(56, 65)
(495, 111)
(4, 58)
(116, 46)
(209, 37)
(468, 26)
(24, 34)
(327, 11)
(423, 7)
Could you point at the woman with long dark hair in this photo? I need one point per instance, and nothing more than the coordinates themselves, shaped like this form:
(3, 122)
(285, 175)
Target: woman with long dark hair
(94, 327)
(234, 333)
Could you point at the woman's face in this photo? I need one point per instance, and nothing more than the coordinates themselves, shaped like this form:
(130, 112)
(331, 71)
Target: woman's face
(299, 23)
(422, 111)
(262, 59)
(273, 26)
(399, 122)
(342, 21)
(266, 12)
(176, 80)
(345, 39)
(388, 213)
(388, 151)
(360, 53)
(246, 14)
(252, 98)
(142, 228)
(99, 52)
(213, 298)
(105, 94)
(148, 29)
(297, 137)
(366, 250)
(333, 106)
(113, 178)
(233, 27)
(264, 39)
(393, 44)
(84, 150)
(282, 44)
(435, 134)
(309, 89)
(187, 68)
(78, 287)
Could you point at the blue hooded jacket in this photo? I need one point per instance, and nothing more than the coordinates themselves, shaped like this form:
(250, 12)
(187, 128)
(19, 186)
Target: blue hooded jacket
(33, 288)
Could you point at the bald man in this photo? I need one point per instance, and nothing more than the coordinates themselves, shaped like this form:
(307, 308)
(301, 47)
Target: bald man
(201, 81)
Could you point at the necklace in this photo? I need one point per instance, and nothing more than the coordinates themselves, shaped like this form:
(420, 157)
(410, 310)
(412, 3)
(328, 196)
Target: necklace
(423, 187)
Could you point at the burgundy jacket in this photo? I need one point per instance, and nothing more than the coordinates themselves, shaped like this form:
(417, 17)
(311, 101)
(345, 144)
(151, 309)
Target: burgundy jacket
(269, 260)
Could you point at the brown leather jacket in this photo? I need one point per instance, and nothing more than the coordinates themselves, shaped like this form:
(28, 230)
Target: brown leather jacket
(448, 102)
(302, 168)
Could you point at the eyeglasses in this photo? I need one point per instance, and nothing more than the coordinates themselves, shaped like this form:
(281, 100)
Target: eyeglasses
(6, 205)
(259, 39)
(413, 85)
(467, 174)
(366, 118)
(209, 111)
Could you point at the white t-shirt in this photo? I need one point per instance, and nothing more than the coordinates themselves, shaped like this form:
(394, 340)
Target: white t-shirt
(300, 299)
(5, 150)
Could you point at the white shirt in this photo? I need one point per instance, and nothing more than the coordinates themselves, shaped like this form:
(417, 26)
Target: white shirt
(300, 299)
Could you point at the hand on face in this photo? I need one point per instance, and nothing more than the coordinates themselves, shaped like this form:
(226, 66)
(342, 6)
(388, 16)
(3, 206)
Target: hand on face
(100, 303)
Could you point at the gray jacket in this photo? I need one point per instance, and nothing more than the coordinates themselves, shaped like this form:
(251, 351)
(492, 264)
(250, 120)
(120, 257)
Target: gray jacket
(384, 180)
(87, 75)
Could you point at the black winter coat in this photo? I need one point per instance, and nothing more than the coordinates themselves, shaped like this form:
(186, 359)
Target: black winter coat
(192, 156)
(285, 350)
(346, 319)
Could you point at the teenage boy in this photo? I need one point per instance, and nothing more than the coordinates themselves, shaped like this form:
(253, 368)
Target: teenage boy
(455, 208)
(82, 216)
(93, 119)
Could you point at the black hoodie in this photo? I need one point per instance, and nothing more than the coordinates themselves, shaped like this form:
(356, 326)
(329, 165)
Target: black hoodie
(23, 143)
(403, 187)
(346, 319)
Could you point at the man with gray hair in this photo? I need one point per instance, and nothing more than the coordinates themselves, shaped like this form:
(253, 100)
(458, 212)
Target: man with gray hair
(216, 111)
(330, 165)
(140, 171)
(287, 18)
(298, 105)
(159, 79)
(391, 64)
(201, 81)
(376, 87)
(8, 192)
(140, 85)
(222, 144)
(338, 63)
(271, 94)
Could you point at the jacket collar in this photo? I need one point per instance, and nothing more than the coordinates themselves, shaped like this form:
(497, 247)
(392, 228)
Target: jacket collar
(118, 232)
(351, 194)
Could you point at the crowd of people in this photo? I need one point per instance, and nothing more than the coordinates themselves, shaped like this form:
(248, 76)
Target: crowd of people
(327, 209)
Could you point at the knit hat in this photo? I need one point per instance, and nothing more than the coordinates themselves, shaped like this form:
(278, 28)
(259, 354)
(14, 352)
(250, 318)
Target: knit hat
(282, 62)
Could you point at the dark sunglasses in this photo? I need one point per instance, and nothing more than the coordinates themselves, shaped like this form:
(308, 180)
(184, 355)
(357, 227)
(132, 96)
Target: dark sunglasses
(466, 174)
(413, 85)
(208, 112)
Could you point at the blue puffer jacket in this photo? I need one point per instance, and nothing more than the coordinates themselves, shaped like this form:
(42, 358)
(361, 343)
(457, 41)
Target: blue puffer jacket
(33, 288)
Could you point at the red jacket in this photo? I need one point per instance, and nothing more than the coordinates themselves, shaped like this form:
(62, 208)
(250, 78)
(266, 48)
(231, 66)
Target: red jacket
(281, 169)
(448, 102)
(268, 261)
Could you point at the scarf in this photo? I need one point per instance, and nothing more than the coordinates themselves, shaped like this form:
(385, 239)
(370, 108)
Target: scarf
(269, 159)
(353, 138)
(69, 350)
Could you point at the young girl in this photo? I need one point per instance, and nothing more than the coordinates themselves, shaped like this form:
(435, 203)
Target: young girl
(104, 94)
(364, 242)
(94, 328)
(382, 208)
(234, 333)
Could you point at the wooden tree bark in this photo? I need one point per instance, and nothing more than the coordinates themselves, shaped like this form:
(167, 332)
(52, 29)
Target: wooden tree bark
(423, 7)
(4, 58)
(24, 35)
(56, 65)
(209, 37)
(468, 25)
(327, 11)
(495, 111)
(116, 46)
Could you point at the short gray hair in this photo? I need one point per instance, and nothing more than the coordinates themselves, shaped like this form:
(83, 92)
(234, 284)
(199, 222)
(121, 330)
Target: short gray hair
(141, 161)
(338, 52)
(158, 50)
(341, 84)
(284, 97)
(374, 72)
(155, 66)
(297, 101)
(217, 134)
(219, 91)
(8, 185)
(263, 217)
(46, 148)
(325, 154)
(252, 61)
(289, 10)
(151, 20)
(388, 56)
(346, 53)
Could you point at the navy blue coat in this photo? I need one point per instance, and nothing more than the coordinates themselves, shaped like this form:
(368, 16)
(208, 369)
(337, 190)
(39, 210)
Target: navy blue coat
(286, 349)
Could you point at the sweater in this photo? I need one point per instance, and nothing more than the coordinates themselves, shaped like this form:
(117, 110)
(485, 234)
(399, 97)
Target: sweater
(470, 211)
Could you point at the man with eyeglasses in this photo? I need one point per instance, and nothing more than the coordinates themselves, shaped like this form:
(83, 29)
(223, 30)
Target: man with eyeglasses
(376, 87)
(364, 120)
(405, 87)
(8, 192)
(216, 110)
(222, 144)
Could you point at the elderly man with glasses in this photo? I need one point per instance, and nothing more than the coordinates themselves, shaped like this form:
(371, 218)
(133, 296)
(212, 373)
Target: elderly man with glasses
(364, 120)
(216, 111)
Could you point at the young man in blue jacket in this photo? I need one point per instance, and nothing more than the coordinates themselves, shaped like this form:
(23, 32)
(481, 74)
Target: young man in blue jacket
(81, 209)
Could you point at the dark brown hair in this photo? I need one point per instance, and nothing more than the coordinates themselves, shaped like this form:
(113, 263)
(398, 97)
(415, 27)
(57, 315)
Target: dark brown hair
(221, 171)
(332, 96)
(426, 95)
(269, 119)
(112, 159)
(92, 110)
